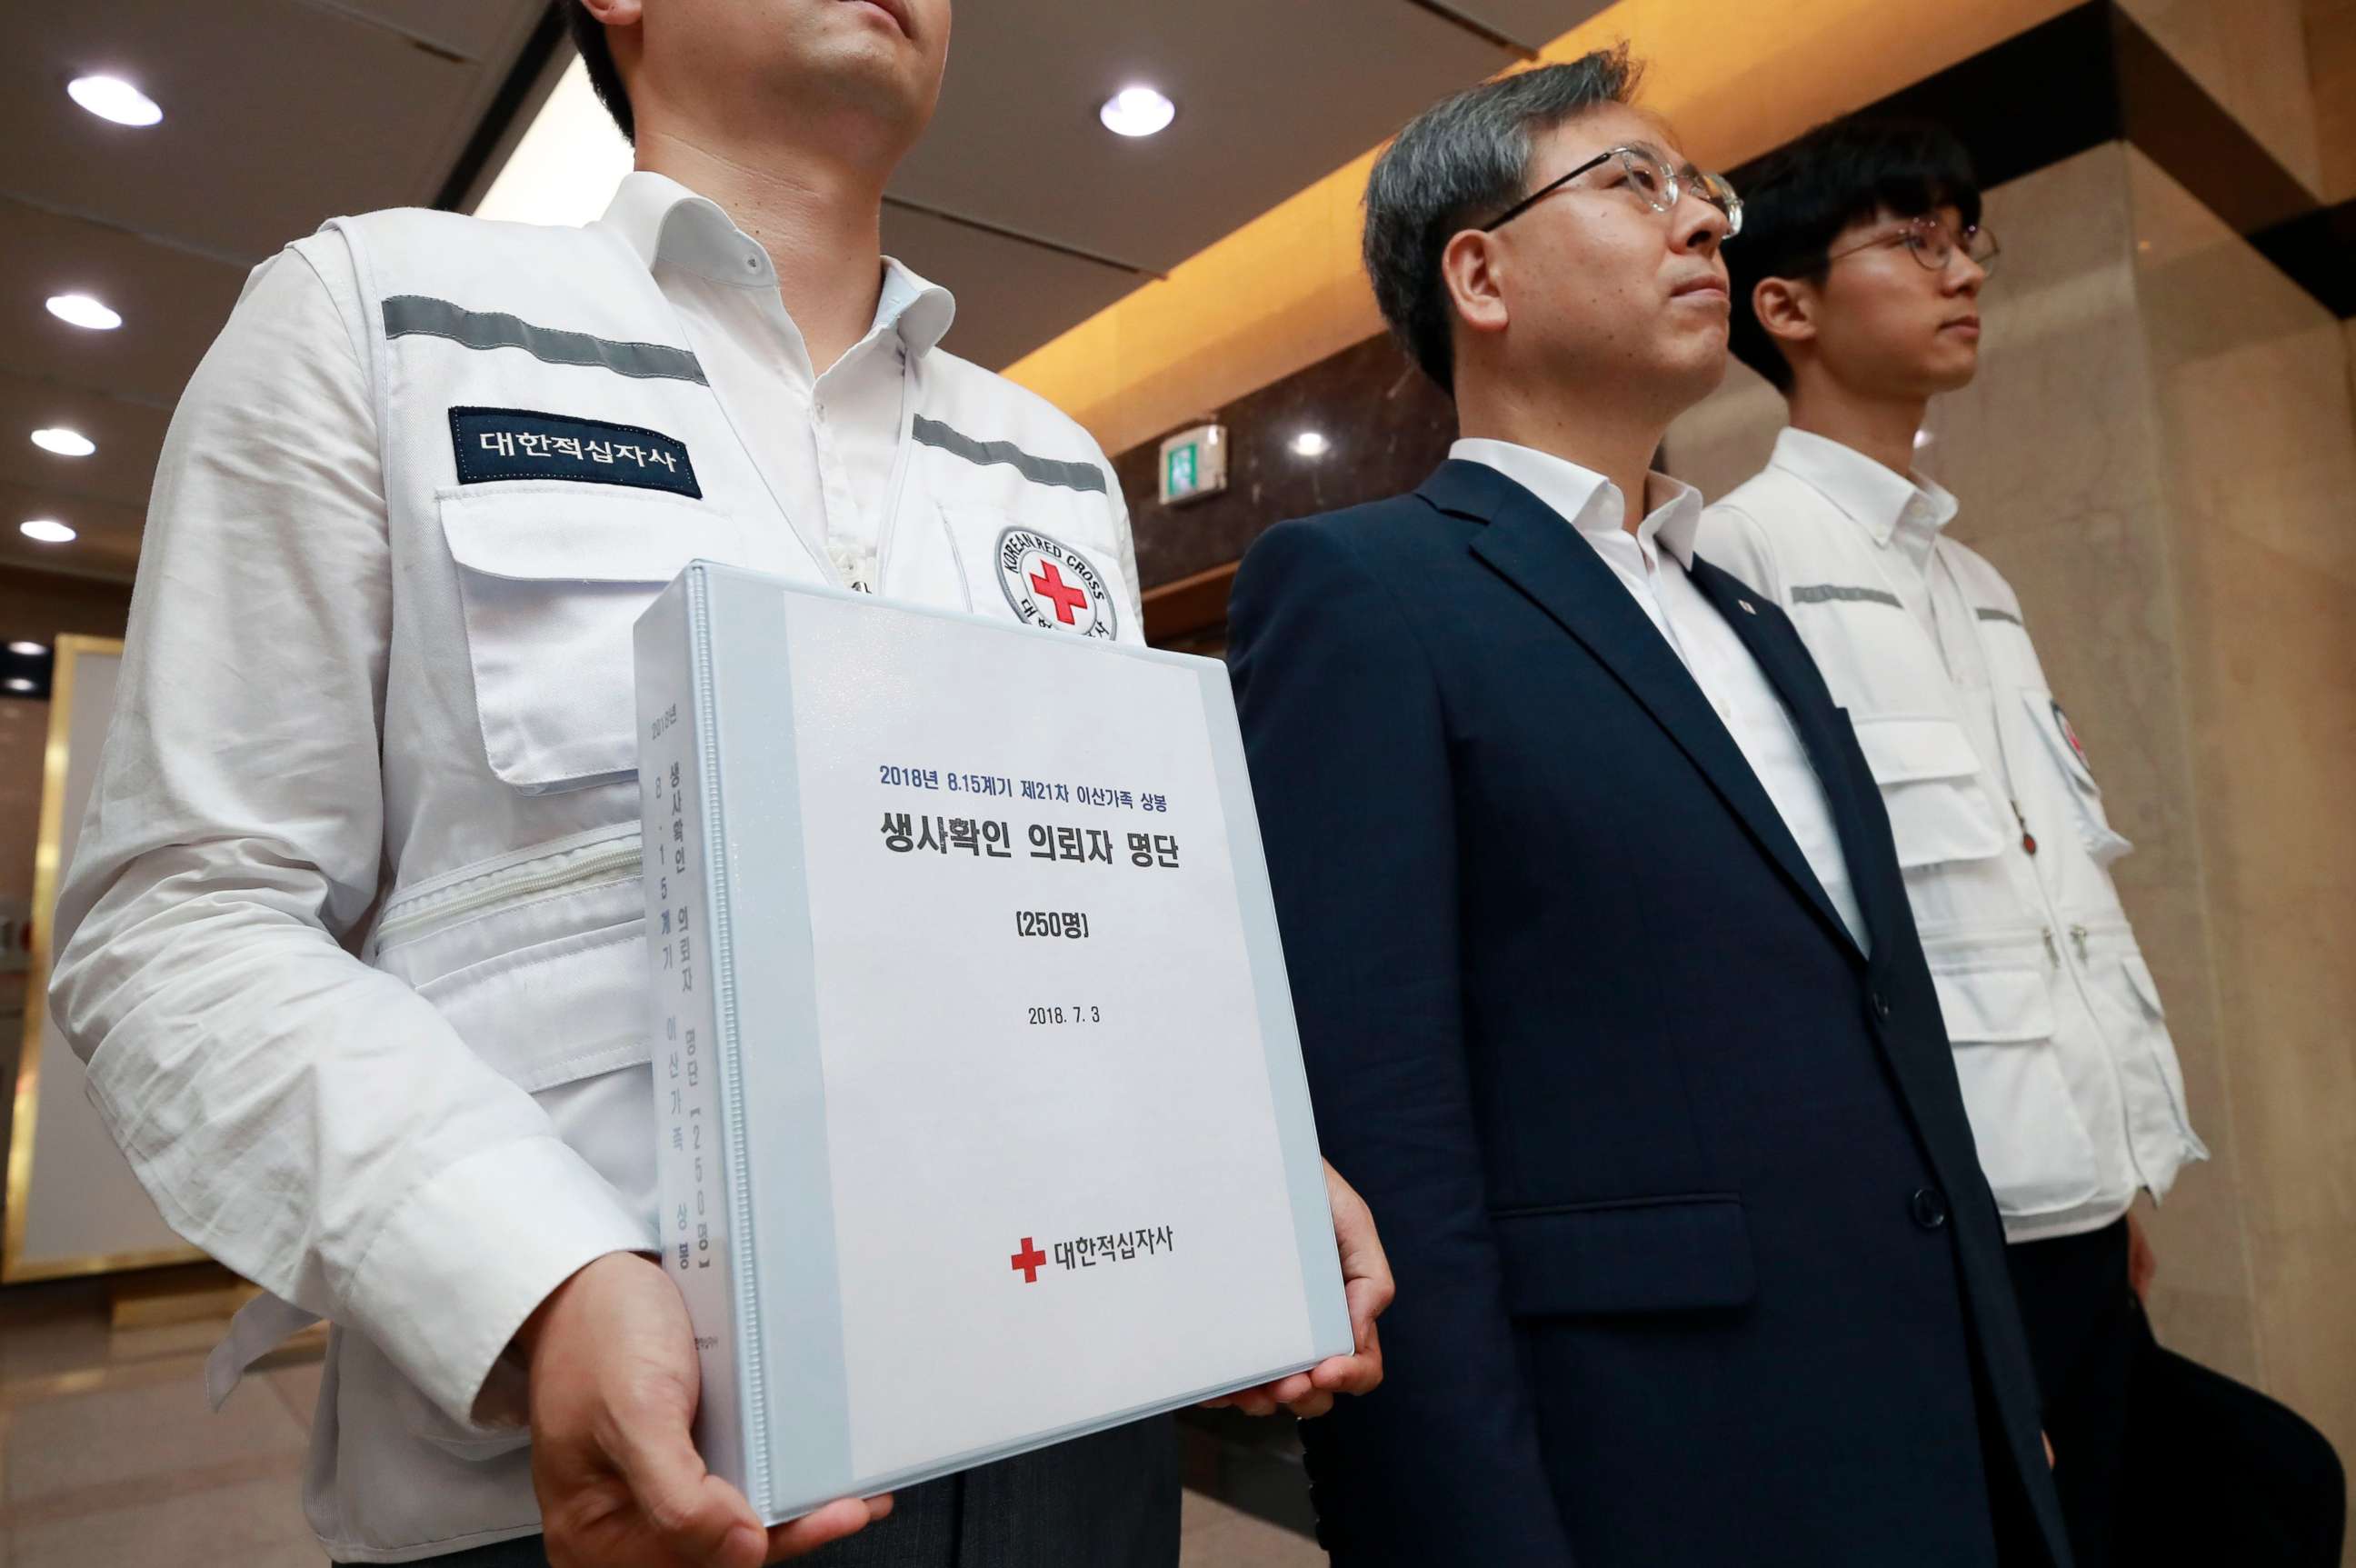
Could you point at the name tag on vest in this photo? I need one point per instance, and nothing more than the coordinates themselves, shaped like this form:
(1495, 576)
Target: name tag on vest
(493, 443)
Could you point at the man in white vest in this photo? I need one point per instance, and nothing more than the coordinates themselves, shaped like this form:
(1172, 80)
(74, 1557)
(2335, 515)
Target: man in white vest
(352, 940)
(1856, 286)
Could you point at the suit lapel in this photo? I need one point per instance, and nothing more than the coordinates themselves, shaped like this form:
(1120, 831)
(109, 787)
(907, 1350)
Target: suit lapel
(1824, 730)
(1539, 550)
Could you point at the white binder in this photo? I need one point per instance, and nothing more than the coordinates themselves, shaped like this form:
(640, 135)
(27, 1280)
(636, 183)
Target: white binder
(981, 1114)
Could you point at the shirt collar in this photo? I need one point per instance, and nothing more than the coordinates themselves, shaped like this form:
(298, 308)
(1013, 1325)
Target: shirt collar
(1892, 507)
(664, 222)
(1593, 503)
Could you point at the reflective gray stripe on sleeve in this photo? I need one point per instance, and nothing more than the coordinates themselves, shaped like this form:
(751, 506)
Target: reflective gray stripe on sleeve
(1989, 612)
(1827, 593)
(1038, 470)
(419, 314)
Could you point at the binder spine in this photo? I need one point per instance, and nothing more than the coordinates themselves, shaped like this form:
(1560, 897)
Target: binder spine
(728, 1040)
(697, 1116)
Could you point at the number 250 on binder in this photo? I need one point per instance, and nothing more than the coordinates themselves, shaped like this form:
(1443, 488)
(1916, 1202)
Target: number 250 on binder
(981, 1110)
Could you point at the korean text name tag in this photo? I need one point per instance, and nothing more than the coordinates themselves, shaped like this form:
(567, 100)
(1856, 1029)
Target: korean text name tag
(488, 445)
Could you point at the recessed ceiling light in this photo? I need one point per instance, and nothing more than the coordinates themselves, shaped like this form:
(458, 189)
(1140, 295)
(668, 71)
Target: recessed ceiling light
(81, 310)
(18, 684)
(64, 443)
(112, 98)
(1311, 444)
(29, 650)
(47, 529)
(1137, 112)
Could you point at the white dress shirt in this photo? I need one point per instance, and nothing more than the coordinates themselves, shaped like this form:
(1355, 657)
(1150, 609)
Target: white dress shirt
(827, 438)
(1651, 564)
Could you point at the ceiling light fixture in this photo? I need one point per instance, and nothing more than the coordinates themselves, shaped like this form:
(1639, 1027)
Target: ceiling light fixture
(18, 684)
(112, 98)
(1922, 438)
(64, 443)
(47, 529)
(1137, 112)
(29, 650)
(81, 310)
(1311, 444)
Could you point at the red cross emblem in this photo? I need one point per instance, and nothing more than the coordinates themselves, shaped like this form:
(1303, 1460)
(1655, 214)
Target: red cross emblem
(1030, 1261)
(1049, 583)
(1051, 586)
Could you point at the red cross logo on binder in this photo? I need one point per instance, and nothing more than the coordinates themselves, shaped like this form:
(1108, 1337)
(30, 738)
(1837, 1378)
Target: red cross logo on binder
(1051, 584)
(1029, 1262)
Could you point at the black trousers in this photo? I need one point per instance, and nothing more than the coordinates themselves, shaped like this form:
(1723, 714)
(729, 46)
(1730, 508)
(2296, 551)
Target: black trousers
(1109, 1501)
(2161, 1461)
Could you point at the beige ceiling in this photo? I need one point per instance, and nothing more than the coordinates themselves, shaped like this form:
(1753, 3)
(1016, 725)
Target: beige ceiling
(279, 113)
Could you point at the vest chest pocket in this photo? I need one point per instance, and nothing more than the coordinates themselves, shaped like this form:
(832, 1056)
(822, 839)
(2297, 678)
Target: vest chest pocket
(550, 582)
(1874, 655)
(1929, 778)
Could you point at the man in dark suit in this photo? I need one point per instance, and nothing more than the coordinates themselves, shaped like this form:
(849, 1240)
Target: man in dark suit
(1612, 1002)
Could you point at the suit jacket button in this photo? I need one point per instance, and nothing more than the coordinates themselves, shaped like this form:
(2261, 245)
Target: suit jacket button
(1881, 1007)
(1928, 1207)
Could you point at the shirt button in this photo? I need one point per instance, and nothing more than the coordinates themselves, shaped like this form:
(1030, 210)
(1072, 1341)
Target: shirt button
(1928, 1207)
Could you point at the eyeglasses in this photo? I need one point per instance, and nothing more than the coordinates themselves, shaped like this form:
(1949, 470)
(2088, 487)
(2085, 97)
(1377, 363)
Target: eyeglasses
(1933, 244)
(1650, 176)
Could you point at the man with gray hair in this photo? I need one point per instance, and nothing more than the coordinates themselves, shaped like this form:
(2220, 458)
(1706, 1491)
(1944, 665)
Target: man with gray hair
(1608, 986)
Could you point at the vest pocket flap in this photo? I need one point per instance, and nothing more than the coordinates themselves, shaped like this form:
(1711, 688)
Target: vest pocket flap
(2146, 989)
(1994, 1007)
(1907, 751)
(1671, 1254)
(555, 1012)
(1928, 774)
(553, 535)
(552, 586)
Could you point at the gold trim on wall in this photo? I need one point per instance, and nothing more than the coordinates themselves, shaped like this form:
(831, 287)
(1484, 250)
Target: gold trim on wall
(14, 1267)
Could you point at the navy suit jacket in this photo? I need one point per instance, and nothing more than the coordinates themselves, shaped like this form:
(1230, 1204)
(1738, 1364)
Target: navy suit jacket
(1696, 1263)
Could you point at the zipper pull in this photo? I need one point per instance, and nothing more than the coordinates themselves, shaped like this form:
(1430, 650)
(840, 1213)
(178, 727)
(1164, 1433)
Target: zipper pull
(2028, 839)
(2052, 949)
(2077, 935)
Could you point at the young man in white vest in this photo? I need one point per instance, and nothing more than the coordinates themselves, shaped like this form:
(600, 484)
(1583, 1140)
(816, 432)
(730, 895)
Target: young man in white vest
(1856, 285)
(351, 942)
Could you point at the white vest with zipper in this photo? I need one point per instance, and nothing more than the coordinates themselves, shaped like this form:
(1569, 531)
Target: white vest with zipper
(511, 803)
(2060, 1038)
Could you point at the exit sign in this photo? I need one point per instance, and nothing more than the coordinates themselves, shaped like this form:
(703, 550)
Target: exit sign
(1194, 464)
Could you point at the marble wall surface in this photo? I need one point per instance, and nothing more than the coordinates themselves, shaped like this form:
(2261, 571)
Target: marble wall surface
(2251, 383)
(2159, 454)
(2331, 68)
(1387, 427)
